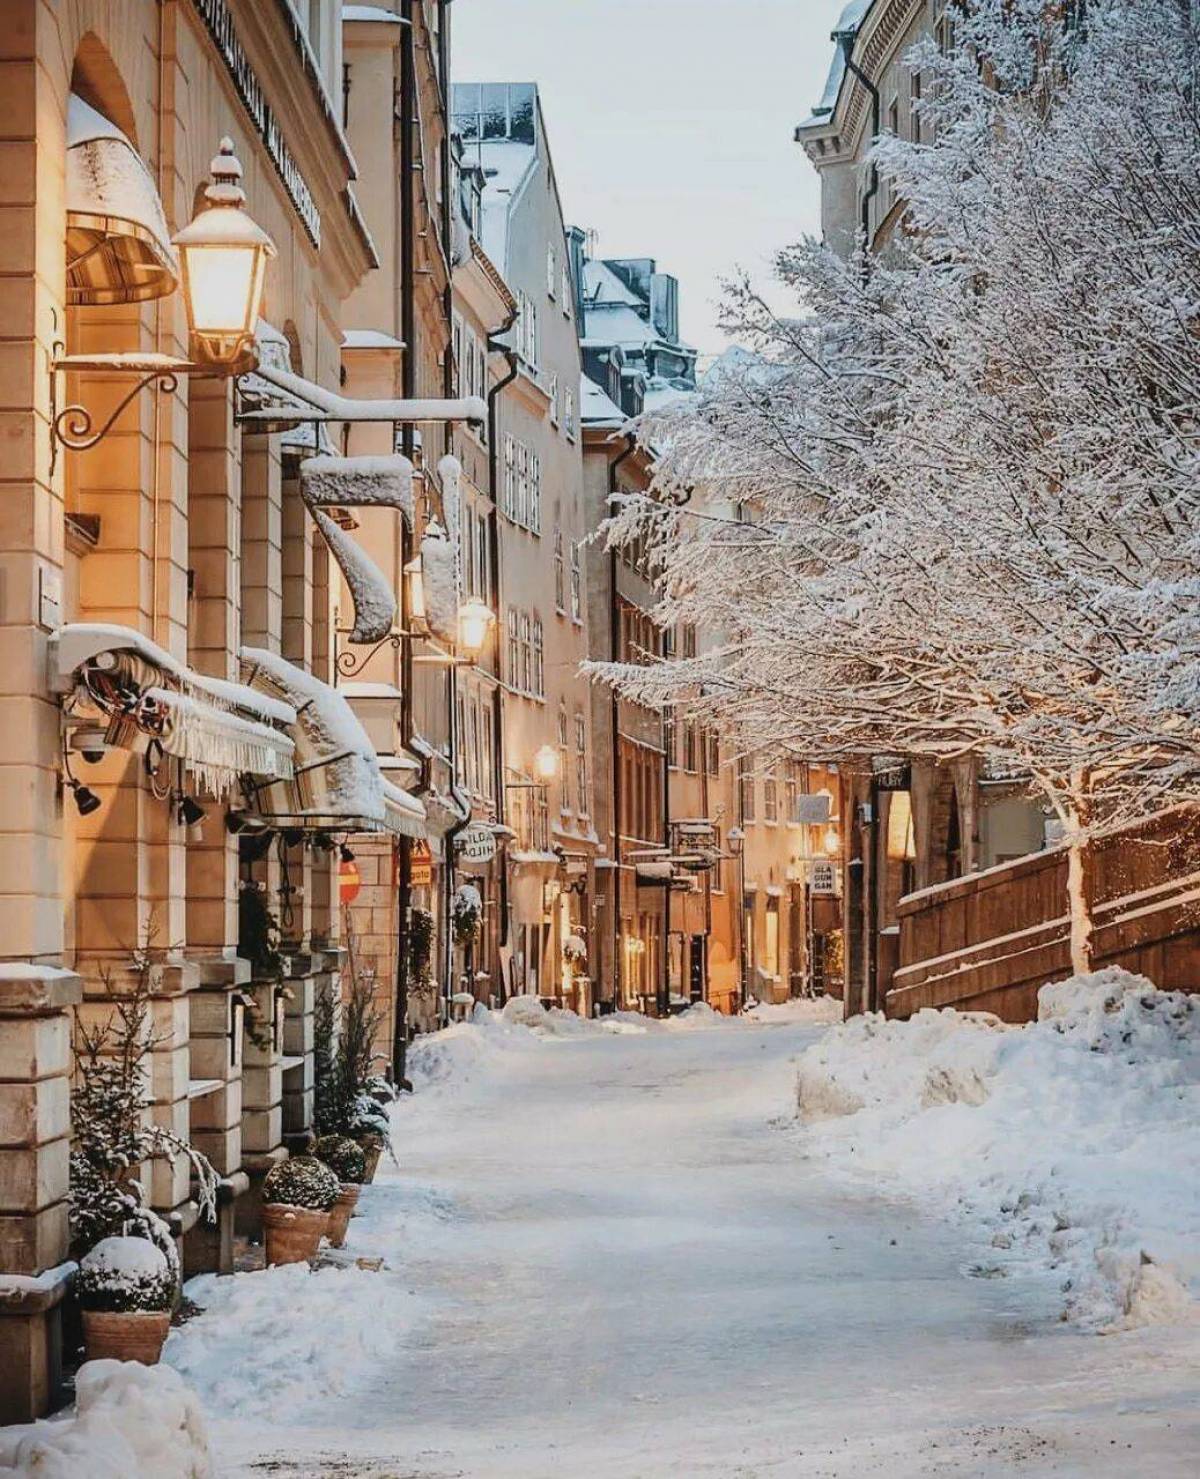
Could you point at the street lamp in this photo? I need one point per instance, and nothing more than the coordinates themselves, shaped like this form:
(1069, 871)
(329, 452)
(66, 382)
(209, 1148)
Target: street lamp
(832, 842)
(545, 764)
(474, 622)
(224, 257)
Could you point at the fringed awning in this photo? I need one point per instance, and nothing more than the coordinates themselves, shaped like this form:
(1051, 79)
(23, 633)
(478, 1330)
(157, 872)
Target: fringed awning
(221, 731)
(213, 744)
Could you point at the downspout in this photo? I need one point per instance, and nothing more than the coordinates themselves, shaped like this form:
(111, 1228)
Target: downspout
(407, 443)
(493, 400)
(846, 40)
(614, 652)
(664, 967)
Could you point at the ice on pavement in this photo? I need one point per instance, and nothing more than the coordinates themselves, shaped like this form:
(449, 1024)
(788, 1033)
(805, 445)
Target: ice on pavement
(1067, 1146)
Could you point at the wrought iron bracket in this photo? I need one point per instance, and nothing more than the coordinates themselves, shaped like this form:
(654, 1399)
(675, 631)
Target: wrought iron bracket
(74, 428)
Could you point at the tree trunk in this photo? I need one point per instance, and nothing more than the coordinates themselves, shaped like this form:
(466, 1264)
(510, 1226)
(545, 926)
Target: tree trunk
(1079, 877)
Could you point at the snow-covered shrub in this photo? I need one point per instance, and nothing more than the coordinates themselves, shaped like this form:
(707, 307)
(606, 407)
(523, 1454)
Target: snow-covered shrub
(368, 1122)
(302, 1181)
(125, 1274)
(112, 1136)
(380, 1089)
(346, 1061)
(343, 1156)
(466, 913)
(575, 950)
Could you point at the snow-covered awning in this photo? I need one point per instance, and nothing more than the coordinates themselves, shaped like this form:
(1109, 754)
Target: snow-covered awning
(220, 730)
(339, 786)
(118, 245)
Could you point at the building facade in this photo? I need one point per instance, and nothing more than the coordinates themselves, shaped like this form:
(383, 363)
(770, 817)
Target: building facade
(545, 710)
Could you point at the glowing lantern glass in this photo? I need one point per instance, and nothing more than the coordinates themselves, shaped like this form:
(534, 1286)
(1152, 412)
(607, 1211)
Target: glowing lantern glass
(474, 622)
(224, 255)
(545, 763)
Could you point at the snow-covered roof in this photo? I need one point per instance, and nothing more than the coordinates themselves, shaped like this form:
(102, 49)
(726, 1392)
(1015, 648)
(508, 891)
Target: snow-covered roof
(849, 23)
(507, 164)
(596, 406)
(602, 285)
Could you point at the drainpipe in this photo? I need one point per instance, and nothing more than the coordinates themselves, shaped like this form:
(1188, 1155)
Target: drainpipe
(614, 652)
(846, 40)
(495, 343)
(408, 319)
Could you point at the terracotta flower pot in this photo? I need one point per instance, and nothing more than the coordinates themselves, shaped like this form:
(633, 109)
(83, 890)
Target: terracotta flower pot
(293, 1234)
(341, 1212)
(372, 1154)
(126, 1335)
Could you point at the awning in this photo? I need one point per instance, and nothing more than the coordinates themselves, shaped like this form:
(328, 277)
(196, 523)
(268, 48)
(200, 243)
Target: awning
(338, 786)
(118, 244)
(220, 730)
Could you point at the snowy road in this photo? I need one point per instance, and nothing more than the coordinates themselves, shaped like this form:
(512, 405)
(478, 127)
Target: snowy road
(614, 1260)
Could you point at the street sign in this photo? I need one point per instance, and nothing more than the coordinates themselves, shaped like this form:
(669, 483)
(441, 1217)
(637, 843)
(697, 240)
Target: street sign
(477, 844)
(814, 810)
(422, 865)
(824, 877)
(349, 881)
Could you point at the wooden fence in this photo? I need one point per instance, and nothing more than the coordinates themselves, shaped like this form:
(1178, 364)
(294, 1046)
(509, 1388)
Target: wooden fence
(987, 942)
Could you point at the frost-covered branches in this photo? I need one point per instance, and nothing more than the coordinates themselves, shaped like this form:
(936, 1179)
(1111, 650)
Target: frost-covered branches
(952, 506)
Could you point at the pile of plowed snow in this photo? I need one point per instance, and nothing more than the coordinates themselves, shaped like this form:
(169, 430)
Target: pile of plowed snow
(1071, 1143)
(129, 1422)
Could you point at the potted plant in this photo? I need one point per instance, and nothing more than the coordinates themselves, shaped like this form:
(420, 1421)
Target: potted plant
(126, 1290)
(297, 1197)
(466, 913)
(348, 1162)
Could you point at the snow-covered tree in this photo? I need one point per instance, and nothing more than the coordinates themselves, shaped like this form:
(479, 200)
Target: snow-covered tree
(951, 507)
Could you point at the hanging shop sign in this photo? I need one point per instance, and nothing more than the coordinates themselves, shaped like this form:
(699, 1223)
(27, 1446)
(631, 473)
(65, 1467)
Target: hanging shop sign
(813, 810)
(215, 15)
(349, 881)
(824, 877)
(476, 844)
(422, 865)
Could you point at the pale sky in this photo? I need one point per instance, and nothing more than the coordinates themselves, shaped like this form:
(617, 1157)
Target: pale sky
(670, 123)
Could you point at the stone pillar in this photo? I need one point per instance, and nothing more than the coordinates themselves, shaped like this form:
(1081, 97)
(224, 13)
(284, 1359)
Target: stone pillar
(35, 1067)
(298, 1064)
(262, 543)
(262, 1097)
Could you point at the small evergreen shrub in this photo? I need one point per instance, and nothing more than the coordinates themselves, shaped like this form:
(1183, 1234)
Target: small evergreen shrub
(124, 1275)
(302, 1181)
(343, 1156)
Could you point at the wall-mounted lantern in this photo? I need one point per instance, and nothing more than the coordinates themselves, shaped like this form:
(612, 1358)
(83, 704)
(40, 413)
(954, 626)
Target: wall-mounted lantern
(224, 256)
(475, 620)
(223, 253)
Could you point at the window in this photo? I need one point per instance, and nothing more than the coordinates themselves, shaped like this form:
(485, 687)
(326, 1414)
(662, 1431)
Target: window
(563, 755)
(669, 738)
(551, 270)
(522, 508)
(508, 501)
(576, 583)
(581, 768)
(487, 759)
(526, 653)
(554, 400)
(560, 574)
(690, 748)
(746, 788)
(714, 752)
(689, 640)
(514, 649)
(534, 524)
(793, 799)
(566, 291)
(914, 105)
(538, 683)
(770, 798)
(569, 412)
(527, 330)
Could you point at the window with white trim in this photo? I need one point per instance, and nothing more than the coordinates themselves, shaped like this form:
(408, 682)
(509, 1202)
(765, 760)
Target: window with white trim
(538, 676)
(551, 269)
(554, 400)
(534, 524)
(560, 575)
(569, 412)
(526, 683)
(581, 765)
(563, 755)
(566, 291)
(576, 583)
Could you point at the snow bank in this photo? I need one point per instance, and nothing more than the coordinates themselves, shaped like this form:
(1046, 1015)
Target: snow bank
(129, 1422)
(1070, 1142)
(273, 1343)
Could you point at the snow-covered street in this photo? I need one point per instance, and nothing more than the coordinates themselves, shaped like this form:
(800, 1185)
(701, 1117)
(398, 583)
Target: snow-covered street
(608, 1254)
